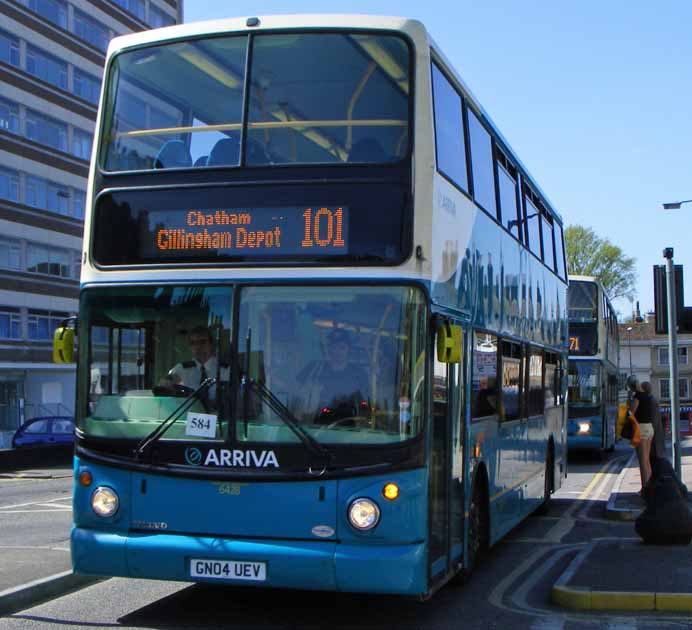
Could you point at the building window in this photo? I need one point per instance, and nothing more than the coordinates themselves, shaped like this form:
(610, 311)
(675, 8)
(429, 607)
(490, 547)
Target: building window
(9, 116)
(158, 18)
(46, 67)
(91, 31)
(42, 324)
(9, 49)
(10, 323)
(9, 253)
(136, 7)
(86, 86)
(664, 388)
(46, 195)
(663, 355)
(53, 10)
(46, 131)
(49, 260)
(79, 198)
(81, 144)
(682, 384)
(9, 185)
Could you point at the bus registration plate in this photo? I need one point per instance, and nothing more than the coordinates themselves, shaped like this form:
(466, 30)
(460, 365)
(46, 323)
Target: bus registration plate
(228, 570)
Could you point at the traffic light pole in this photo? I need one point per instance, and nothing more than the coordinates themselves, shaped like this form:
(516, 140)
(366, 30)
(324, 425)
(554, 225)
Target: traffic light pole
(673, 359)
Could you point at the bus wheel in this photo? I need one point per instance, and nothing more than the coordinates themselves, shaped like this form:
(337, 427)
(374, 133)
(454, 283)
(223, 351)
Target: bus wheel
(548, 485)
(478, 534)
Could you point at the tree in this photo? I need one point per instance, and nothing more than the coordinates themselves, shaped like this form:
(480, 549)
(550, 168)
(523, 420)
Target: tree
(590, 255)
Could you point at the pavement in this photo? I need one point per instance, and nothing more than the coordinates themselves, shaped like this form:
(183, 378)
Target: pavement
(624, 573)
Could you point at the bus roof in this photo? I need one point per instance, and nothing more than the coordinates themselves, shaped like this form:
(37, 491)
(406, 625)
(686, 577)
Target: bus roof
(411, 27)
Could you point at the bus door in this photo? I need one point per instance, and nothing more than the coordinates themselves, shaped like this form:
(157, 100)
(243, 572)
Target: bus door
(446, 452)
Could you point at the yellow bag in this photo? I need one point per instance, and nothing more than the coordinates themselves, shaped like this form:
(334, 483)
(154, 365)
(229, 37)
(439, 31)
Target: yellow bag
(622, 418)
(636, 433)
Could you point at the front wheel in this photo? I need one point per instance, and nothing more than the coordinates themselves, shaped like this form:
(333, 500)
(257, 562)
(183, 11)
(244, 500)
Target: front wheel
(548, 485)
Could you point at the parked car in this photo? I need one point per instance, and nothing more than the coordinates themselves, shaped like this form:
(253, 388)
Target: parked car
(45, 431)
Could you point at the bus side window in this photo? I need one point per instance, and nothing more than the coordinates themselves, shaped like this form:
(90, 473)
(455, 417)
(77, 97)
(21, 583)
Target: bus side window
(512, 385)
(484, 386)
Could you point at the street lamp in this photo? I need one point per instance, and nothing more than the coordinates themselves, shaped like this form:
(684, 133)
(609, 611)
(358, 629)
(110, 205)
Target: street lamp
(675, 205)
(629, 337)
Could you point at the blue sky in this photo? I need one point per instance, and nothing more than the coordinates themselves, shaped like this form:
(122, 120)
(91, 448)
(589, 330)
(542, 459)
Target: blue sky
(595, 98)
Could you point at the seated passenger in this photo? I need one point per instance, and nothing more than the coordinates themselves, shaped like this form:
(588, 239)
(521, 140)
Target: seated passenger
(335, 388)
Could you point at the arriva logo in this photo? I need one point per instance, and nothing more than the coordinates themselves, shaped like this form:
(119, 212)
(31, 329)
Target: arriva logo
(231, 458)
(193, 456)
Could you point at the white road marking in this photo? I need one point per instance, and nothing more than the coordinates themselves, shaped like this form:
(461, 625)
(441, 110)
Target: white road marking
(20, 505)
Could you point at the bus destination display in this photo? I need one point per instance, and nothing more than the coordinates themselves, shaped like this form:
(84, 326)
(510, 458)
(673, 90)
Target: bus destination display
(246, 231)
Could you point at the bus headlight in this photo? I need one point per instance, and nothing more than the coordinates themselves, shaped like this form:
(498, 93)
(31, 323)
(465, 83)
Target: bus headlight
(584, 428)
(104, 501)
(363, 514)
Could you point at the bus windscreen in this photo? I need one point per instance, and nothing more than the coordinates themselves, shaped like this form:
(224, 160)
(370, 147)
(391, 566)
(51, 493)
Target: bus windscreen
(210, 102)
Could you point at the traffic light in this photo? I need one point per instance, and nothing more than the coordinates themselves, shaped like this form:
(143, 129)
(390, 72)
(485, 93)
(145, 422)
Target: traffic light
(684, 315)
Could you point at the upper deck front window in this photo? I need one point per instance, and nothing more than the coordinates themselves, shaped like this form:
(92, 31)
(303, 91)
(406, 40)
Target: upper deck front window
(312, 98)
(582, 299)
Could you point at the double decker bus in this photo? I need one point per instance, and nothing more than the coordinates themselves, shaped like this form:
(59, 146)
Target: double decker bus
(380, 291)
(593, 387)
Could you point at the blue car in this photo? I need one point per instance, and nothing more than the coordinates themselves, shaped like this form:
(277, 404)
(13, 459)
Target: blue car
(45, 431)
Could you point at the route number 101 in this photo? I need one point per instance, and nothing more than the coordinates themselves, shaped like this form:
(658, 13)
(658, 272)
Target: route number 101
(323, 228)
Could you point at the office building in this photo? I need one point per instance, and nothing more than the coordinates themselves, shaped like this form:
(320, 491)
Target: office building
(52, 54)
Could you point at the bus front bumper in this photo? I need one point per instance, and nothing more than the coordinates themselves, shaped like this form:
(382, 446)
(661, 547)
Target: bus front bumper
(397, 569)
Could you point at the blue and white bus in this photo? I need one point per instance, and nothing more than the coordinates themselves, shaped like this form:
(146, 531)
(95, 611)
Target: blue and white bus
(380, 290)
(593, 381)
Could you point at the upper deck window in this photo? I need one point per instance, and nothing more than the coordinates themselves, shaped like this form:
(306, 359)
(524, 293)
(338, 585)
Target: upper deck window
(582, 299)
(312, 98)
(482, 165)
(449, 131)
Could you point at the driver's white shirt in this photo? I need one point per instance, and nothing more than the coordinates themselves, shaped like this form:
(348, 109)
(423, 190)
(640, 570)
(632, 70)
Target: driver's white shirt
(190, 372)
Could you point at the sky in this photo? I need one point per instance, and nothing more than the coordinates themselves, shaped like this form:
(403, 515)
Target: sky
(594, 97)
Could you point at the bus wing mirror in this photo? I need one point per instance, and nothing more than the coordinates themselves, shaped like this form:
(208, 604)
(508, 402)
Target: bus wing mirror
(449, 339)
(63, 342)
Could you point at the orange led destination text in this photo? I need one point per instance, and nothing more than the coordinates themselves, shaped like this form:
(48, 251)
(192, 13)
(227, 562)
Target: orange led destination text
(181, 238)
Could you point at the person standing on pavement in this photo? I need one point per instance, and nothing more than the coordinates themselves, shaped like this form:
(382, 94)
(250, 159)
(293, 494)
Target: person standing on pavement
(642, 407)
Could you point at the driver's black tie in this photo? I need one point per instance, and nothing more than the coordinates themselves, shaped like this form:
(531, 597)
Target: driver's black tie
(202, 374)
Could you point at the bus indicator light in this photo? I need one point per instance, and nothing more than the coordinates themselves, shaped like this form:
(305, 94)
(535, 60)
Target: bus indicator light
(391, 491)
(85, 478)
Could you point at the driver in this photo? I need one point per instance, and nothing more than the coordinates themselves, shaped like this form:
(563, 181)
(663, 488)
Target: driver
(338, 385)
(203, 365)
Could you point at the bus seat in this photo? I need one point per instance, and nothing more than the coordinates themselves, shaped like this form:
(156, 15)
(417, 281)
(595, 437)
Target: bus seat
(225, 152)
(110, 408)
(201, 161)
(257, 153)
(367, 150)
(173, 154)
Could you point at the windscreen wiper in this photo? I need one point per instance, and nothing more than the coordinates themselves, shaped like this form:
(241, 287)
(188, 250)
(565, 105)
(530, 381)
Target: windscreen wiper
(278, 407)
(158, 432)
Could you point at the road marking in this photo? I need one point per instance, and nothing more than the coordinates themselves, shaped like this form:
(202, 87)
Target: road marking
(40, 547)
(34, 511)
(21, 505)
